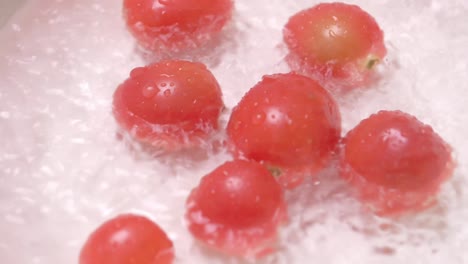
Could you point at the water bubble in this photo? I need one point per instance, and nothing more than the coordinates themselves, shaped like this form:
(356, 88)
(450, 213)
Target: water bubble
(5, 115)
(258, 118)
(273, 115)
(150, 91)
(157, 4)
(139, 26)
(137, 72)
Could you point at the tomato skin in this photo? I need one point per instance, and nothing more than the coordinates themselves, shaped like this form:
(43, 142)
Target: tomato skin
(334, 43)
(396, 162)
(236, 209)
(175, 24)
(288, 122)
(170, 104)
(128, 239)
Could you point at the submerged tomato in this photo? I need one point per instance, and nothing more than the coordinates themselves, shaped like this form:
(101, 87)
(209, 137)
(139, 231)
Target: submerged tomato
(237, 209)
(334, 42)
(169, 105)
(289, 123)
(128, 239)
(396, 162)
(175, 24)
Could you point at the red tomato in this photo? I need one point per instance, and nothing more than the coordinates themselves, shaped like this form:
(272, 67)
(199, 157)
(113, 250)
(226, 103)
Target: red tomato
(237, 208)
(128, 239)
(334, 40)
(175, 24)
(289, 123)
(396, 162)
(170, 104)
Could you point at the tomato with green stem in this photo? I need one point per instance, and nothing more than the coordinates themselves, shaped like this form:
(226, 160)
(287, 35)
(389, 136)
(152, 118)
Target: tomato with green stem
(289, 123)
(338, 44)
(237, 209)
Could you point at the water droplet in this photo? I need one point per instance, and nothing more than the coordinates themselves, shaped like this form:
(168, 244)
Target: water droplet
(275, 116)
(137, 72)
(394, 139)
(237, 125)
(149, 91)
(161, 4)
(258, 118)
(139, 26)
(5, 115)
(162, 85)
(172, 84)
(16, 27)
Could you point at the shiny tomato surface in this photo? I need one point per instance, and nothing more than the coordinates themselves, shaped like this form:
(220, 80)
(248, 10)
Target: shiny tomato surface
(396, 162)
(287, 122)
(175, 25)
(128, 239)
(334, 43)
(169, 104)
(237, 209)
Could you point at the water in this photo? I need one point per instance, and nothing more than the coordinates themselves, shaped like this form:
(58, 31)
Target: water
(63, 172)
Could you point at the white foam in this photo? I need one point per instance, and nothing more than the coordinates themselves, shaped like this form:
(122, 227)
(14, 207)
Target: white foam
(62, 171)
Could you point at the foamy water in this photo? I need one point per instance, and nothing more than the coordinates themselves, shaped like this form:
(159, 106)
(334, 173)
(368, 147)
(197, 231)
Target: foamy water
(63, 172)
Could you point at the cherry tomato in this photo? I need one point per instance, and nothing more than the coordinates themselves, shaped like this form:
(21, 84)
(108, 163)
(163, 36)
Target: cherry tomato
(334, 42)
(287, 122)
(237, 209)
(175, 24)
(396, 162)
(128, 239)
(169, 105)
